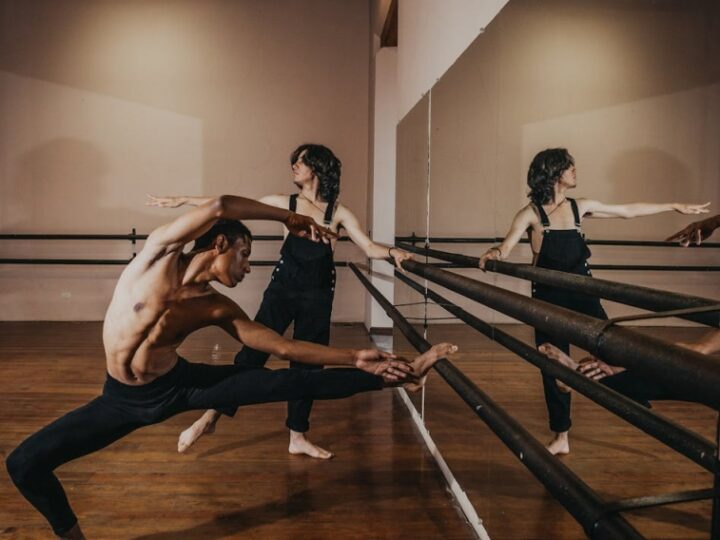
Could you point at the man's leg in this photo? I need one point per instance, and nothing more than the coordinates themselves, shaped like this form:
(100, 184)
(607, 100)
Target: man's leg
(276, 312)
(628, 383)
(234, 386)
(215, 388)
(639, 388)
(312, 323)
(78, 433)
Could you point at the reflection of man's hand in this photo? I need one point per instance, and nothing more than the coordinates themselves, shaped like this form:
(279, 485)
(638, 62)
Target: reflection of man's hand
(596, 369)
(696, 232)
(306, 227)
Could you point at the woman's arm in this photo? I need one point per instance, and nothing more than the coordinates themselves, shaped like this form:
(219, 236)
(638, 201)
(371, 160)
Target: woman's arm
(521, 222)
(182, 200)
(597, 209)
(372, 249)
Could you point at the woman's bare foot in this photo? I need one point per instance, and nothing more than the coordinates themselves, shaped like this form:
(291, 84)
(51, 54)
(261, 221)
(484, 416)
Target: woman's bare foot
(422, 364)
(552, 352)
(300, 445)
(205, 425)
(559, 445)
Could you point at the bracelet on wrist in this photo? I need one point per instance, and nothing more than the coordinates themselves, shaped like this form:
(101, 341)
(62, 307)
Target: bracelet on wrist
(390, 251)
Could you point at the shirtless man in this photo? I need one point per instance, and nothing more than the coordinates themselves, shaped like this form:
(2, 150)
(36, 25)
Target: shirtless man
(302, 285)
(161, 297)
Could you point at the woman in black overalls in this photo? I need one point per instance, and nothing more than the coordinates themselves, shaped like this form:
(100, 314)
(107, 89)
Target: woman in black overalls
(553, 222)
(564, 250)
(302, 286)
(301, 290)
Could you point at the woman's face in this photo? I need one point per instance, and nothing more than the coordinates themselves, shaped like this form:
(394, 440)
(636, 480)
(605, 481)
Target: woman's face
(569, 177)
(302, 174)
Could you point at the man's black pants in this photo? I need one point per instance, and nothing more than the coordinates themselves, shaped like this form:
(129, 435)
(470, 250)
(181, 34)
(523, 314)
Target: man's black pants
(122, 409)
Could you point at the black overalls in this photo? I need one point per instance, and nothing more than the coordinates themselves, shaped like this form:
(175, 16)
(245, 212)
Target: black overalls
(301, 290)
(564, 250)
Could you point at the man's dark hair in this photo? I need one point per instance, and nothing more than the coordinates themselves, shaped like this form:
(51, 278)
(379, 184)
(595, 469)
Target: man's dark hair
(545, 170)
(325, 165)
(231, 228)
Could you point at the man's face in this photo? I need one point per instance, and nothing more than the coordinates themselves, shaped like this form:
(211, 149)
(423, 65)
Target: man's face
(233, 263)
(302, 174)
(569, 177)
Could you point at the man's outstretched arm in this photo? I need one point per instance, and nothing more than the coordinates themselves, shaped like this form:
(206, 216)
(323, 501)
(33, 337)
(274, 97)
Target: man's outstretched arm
(696, 232)
(261, 338)
(199, 220)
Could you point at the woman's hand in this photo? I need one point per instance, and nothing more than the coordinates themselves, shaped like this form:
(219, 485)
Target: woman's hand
(400, 255)
(492, 254)
(689, 209)
(165, 202)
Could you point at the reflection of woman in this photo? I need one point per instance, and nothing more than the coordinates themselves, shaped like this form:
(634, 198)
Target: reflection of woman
(553, 222)
(302, 286)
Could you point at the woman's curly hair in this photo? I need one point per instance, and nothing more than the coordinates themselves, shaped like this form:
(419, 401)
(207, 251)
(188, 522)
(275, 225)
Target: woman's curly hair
(325, 165)
(545, 170)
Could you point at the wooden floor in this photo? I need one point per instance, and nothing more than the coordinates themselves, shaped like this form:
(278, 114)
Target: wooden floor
(614, 458)
(238, 483)
(241, 483)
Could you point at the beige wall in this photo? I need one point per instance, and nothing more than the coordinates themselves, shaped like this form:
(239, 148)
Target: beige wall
(104, 101)
(431, 36)
(631, 88)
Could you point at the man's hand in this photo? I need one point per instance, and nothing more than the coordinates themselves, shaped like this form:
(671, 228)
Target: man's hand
(384, 365)
(695, 232)
(305, 226)
(595, 369)
(165, 202)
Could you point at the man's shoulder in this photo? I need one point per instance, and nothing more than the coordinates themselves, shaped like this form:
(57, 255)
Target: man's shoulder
(223, 308)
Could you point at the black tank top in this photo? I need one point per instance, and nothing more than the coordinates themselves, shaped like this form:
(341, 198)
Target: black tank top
(306, 265)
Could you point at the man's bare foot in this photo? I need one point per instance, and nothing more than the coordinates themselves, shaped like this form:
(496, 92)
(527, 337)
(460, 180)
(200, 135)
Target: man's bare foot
(422, 364)
(559, 445)
(552, 352)
(73, 534)
(300, 445)
(205, 425)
